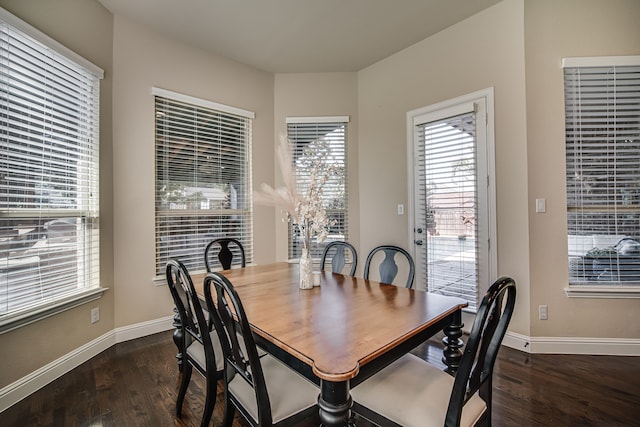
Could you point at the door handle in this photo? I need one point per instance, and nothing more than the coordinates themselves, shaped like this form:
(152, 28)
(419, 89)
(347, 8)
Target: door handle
(419, 242)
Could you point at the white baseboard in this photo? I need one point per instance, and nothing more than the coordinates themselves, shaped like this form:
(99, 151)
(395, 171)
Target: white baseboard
(569, 345)
(23, 387)
(143, 329)
(18, 390)
(517, 341)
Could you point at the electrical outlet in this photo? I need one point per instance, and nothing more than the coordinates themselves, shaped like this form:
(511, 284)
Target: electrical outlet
(400, 209)
(95, 314)
(543, 312)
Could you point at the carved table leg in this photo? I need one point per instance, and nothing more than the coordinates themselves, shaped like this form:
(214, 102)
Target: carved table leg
(453, 343)
(178, 337)
(335, 403)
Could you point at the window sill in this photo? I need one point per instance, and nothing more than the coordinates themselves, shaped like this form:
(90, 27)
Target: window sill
(590, 291)
(27, 316)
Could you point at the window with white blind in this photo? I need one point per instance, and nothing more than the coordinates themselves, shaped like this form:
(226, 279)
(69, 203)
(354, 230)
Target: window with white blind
(453, 189)
(326, 135)
(602, 126)
(203, 177)
(49, 201)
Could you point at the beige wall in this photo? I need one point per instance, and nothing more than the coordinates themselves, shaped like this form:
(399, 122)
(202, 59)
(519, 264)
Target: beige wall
(557, 29)
(142, 60)
(324, 94)
(486, 50)
(496, 48)
(86, 28)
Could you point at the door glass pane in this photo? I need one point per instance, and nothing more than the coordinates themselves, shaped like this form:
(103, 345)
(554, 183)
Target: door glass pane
(449, 253)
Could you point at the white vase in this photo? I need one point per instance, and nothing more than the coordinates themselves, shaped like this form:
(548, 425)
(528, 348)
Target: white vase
(306, 270)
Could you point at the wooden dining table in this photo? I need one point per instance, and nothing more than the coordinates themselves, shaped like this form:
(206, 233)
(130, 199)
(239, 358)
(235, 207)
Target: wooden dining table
(343, 331)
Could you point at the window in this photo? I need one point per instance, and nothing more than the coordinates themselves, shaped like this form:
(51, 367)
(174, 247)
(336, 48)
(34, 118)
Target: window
(49, 216)
(453, 218)
(203, 178)
(328, 134)
(602, 125)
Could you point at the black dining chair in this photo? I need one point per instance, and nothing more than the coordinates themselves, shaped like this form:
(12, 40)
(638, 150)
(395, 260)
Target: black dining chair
(224, 250)
(388, 268)
(200, 344)
(264, 390)
(340, 253)
(412, 392)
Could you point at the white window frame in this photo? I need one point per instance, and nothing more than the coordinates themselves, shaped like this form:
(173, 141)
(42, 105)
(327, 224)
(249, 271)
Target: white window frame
(85, 201)
(487, 225)
(212, 218)
(316, 248)
(591, 289)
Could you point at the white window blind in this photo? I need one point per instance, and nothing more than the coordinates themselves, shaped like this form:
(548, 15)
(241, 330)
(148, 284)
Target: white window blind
(203, 178)
(49, 169)
(448, 205)
(326, 135)
(602, 122)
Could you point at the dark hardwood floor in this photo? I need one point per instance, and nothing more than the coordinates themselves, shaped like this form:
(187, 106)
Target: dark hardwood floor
(135, 384)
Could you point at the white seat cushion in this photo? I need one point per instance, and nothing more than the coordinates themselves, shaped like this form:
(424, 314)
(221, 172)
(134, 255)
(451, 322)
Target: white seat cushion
(289, 392)
(196, 351)
(412, 392)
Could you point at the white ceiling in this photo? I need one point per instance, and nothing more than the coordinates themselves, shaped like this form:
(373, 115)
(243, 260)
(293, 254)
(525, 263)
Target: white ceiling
(297, 36)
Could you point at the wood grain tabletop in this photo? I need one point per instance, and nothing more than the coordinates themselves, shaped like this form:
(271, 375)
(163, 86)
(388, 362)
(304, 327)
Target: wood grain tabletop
(339, 326)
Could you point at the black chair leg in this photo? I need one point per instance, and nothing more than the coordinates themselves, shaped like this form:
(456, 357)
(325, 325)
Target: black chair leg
(184, 383)
(210, 402)
(229, 413)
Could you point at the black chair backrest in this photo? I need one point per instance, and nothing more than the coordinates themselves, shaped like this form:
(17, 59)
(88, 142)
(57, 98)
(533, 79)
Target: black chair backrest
(479, 356)
(225, 254)
(388, 267)
(230, 320)
(338, 259)
(194, 323)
